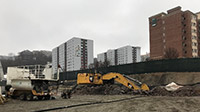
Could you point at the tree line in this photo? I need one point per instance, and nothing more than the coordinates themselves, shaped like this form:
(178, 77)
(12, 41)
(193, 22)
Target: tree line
(27, 57)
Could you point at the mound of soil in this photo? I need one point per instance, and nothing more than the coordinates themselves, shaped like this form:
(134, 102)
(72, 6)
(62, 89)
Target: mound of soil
(119, 89)
(164, 78)
(182, 91)
(103, 90)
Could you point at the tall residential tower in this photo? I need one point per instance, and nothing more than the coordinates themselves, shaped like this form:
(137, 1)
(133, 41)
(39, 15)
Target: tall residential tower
(75, 54)
(176, 29)
(120, 56)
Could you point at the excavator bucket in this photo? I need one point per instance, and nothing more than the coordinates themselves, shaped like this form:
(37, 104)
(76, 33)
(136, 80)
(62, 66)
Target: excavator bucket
(144, 87)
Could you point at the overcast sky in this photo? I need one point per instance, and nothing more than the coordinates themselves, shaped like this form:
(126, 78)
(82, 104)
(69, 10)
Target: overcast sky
(45, 24)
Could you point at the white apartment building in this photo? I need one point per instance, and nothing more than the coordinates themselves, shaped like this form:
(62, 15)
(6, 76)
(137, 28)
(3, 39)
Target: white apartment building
(111, 56)
(75, 54)
(101, 57)
(122, 55)
(2, 88)
(1, 72)
(55, 54)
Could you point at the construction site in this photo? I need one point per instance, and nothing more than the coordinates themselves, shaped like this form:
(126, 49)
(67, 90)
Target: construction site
(105, 56)
(111, 92)
(156, 85)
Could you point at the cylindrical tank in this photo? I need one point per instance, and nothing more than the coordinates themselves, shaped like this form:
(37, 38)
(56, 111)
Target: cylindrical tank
(21, 84)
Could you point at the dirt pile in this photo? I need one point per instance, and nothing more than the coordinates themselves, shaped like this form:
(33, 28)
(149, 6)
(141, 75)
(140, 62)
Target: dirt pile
(164, 78)
(119, 89)
(182, 91)
(103, 90)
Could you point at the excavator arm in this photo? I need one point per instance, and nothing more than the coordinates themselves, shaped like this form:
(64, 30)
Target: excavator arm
(126, 81)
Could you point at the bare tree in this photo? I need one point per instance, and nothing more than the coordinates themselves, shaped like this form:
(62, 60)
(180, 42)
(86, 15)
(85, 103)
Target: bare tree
(26, 57)
(171, 53)
(106, 63)
(99, 64)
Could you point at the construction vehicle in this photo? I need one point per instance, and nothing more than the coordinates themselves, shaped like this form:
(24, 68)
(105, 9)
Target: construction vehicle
(29, 82)
(28, 89)
(109, 78)
(98, 79)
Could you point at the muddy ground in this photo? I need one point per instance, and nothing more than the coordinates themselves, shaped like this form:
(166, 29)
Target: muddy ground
(129, 104)
(163, 78)
(116, 98)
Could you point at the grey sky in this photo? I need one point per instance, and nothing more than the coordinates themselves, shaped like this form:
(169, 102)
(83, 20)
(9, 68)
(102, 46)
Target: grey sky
(45, 24)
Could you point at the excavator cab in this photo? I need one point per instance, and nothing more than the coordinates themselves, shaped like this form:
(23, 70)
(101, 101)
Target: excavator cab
(89, 78)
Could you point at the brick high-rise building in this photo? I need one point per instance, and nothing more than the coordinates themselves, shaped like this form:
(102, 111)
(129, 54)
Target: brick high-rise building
(176, 29)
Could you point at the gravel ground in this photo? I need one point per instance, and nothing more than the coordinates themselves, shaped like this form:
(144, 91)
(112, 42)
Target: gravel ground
(129, 104)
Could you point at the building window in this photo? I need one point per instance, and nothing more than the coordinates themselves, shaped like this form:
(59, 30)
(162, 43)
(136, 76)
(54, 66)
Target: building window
(163, 22)
(194, 44)
(154, 22)
(193, 24)
(184, 30)
(194, 50)
(183, 18)
(194, 31)
(163, 34)
(194, 17)
(184, 38)
(185, 52)
(163, 28)
(194, 37)
(163, 40)
(184, 45)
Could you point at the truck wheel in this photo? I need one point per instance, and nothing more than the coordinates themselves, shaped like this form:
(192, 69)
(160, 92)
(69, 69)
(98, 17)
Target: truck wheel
(14, 97)
(22, 97)
(29, 97)
(40, 97)
(47, 97)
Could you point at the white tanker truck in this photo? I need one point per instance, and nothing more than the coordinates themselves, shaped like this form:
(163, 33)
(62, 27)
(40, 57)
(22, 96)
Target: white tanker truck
(30, 82)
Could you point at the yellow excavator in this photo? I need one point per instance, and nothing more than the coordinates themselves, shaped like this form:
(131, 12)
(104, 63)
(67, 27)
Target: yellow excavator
(98, 79)
(109, 78)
